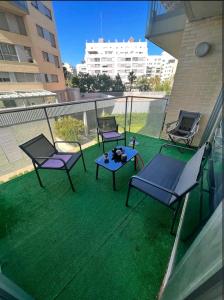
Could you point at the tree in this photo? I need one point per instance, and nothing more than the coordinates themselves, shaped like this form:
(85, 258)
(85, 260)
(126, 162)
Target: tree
(155, 83)
(86, 82)
(131, 78)
(75, 81)
(143, 84)
(68, 128)
(166, 86)
(103, 83)
(118, 85)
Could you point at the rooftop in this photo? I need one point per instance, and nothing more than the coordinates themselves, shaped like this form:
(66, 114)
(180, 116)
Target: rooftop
(87, 244)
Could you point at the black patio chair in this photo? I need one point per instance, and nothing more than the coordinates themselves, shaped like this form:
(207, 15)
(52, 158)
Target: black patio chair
(185, 128)
(168, 180)
(44, 155)
(107, 129)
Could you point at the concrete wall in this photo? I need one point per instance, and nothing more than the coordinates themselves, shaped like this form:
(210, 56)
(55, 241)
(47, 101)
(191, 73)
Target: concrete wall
(198, 81)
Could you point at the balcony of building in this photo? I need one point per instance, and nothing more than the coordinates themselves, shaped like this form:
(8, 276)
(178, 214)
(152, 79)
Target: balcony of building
(167, 19)
(16, 7)
(60, 244)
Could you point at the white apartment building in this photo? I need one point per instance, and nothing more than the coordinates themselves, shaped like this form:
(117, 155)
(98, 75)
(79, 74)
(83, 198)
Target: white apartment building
(112, 58)
(163, 65)
(81, 68)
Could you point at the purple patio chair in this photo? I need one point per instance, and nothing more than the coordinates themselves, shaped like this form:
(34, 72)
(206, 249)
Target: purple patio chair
(108, 130)
(185, 128)
(44, 155)
(168, 180)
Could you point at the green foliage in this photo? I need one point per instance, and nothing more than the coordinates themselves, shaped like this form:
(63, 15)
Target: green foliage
(131, 77)
(99, 83)
(118, 85)
(143, 84)
(68, 128)
(86, 82)
(75, 81)
(103, 83)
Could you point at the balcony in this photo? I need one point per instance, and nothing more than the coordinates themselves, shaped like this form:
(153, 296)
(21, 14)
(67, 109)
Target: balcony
(87, 244)
(167, 20)
(166, 25)
(17, 7)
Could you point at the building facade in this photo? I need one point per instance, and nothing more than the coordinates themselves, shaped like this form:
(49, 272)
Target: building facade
(181, 31)
(29, 51)
(163, 65)
(112, 58)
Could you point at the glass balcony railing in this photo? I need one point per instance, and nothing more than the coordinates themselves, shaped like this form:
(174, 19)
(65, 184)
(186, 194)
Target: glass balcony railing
(142, 115)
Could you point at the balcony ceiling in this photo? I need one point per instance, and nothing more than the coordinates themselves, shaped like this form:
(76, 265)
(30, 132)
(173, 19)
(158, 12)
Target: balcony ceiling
(196, 10)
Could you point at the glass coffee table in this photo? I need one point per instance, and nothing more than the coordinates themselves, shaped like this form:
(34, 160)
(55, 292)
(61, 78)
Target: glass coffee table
(113, 165)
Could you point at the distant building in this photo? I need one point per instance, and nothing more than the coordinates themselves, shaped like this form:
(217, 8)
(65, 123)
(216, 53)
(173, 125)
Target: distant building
(163, 65)
(29, 50)
(68, 67)
(111, 58)
(81, 68)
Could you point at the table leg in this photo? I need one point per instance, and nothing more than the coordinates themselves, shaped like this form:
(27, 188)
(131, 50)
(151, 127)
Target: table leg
(97, 171)
(114, 184)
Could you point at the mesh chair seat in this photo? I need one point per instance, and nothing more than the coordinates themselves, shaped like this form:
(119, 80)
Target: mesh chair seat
(186, 127)
(69, 159)
(167, 180)
(162, 170)
(111, 135)
(44, 155)
(108, 130)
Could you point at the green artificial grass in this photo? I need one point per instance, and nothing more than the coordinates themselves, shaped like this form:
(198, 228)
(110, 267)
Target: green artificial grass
(57, 244)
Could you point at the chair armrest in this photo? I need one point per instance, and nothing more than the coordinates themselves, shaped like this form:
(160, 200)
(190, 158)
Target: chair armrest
(176, 146)
(155, 185)
(68, 142)
(171, 123)
(49, 157)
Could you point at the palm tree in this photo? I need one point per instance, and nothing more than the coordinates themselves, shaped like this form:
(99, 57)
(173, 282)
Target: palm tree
(131, 77)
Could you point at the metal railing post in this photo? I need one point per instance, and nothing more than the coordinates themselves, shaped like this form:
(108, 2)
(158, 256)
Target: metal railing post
(49, 125)
(125, 116)
(164, 118)
(95, 105)
(130, 114)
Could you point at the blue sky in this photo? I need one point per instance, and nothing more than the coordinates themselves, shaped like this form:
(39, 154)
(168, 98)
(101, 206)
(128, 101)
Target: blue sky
(78, 21)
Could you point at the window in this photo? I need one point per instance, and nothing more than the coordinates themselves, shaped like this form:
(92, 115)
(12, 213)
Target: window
(25, 77)
(40, 31)
(56, 61)
(21, 26)
(52, 40)
(8, 52)
(28, 53)
(45, 34)
(42, 8)
(4, 77)
(3, 21)
(51, 78)
(12, 23)
(54, 78)
(45, 56)
(35, 4)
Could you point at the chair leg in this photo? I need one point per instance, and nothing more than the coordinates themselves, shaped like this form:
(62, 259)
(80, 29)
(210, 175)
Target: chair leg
(103, 147)
(83, 161)
(175, 217)
(70, 180)
(128, 194)
(38, 176)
